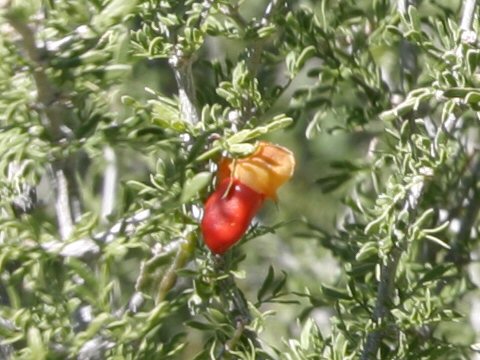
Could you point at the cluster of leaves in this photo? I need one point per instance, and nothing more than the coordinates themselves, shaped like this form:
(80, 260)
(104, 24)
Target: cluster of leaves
(405, 262)
(66, 103)
(128, 90)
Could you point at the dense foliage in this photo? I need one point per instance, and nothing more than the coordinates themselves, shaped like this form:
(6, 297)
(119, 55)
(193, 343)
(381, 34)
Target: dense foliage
(113, 116)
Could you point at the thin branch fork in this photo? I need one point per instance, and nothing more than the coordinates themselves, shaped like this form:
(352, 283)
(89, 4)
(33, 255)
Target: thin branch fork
(256, 50)
(182, 69)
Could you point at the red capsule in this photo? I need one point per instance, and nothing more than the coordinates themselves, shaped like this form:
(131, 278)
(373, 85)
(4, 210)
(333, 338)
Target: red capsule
(228, 213)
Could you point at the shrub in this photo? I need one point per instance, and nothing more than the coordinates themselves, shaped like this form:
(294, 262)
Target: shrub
(113, 117)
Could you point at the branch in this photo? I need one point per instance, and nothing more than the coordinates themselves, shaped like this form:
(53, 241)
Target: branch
(388, 270)
(52, 113)
(125, 226)
(463, 236)
(386, 285)
(47, 95)
(88, 248)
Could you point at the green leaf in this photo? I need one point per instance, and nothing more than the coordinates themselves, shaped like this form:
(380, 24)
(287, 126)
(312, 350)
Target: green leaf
(280, 284)
(472, 60)
(35, 343)
(140, 187)
(335, 294)
(401, 110)
(473, 98)
(460, 92)
(345, 164)
(361, 268)
(438, 241)
(267, 283)
(165, 113)
(414, 18)
(424, 218)
(241, 149)
(114, 12)
(332, 182)
(200, 325)
(290, 60)
(306, 54)
(436, 273)
(195, 185)
(368, 250)
(100, 321)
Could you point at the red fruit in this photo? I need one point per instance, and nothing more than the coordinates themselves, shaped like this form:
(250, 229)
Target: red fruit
(228, 213)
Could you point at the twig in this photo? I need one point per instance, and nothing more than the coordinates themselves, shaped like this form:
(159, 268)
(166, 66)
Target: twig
(384, 294)
(467, 35)
(82, 249)
(88, 248)
(230, 290)
(126, 226)
(62, 202)
(237, 335)
(184, 252)
(109, 183)
(232, 295)
(468, 14)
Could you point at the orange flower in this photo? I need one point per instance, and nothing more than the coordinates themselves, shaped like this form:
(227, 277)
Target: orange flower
(242, 186)
(228, 213)
(265, 170)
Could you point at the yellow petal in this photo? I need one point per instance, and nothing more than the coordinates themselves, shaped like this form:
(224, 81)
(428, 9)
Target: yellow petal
(265, 170)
